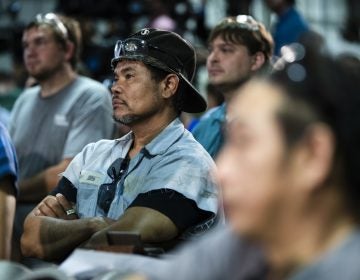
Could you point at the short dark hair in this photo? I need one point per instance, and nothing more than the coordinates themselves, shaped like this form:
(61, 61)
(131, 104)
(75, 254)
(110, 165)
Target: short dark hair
(327, 90)
(259, 40)
(73, 35)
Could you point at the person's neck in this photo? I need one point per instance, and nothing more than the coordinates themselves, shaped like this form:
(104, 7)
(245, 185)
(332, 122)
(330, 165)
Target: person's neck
(57, 81)
(228, 95)
(303, 240)
(146, 131)
(229, 89)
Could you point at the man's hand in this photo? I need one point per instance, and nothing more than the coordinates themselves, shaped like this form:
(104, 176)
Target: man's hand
(57, 207)
(99, 239)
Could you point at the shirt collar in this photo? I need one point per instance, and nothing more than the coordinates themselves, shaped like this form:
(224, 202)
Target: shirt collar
(220, 114)
(165, 139)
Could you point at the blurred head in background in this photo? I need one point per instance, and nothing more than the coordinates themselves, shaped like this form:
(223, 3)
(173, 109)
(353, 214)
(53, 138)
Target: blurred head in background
(238, 48)
(51, 43)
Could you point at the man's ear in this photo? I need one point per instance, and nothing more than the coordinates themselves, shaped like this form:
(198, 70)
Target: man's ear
(170, 85)
(70, 50)
(258, 60)
(315, 156)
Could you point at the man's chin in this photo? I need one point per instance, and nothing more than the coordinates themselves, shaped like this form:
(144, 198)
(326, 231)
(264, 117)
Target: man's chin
(125, 120)
(225, 87)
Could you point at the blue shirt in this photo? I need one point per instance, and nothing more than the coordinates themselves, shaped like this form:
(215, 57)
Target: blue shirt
(8, 160)
(172, 160)
(288, 29)
(209, 131)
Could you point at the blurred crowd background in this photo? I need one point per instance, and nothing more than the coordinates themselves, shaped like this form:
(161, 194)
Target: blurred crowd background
(104, 22)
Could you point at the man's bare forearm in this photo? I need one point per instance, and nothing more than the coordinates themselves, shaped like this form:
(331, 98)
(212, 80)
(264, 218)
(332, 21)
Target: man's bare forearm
(53, 239)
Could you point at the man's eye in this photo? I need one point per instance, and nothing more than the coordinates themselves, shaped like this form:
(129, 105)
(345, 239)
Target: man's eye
(128, 76)
(226, 50)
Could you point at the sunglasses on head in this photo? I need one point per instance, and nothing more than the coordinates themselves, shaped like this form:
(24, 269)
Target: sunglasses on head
(107, 191)
(54, 21)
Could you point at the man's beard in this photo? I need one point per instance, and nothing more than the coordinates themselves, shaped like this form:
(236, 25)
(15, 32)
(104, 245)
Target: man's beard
(126, 120)
(229, 86)
(44, 74)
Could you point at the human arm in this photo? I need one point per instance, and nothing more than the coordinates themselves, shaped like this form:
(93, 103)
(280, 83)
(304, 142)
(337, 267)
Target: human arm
(35, 188)
(152, 226)
(51, 234)
(156, 216)
(7, 213)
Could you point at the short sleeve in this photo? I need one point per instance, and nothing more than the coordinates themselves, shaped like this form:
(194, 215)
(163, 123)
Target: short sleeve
(169, 203)
(188, 173)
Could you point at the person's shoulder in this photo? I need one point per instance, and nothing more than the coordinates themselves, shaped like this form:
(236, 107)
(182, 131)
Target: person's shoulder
(29, 93)
(189, 148)
(103, 144)
(209, 124)
(90, 87)
(213, 113)
(90, 82)
(88, 91)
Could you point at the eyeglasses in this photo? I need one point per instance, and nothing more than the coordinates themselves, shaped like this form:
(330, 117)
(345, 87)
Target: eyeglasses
(107, 191)
(137, 47)
(54, 21)
(244, 21)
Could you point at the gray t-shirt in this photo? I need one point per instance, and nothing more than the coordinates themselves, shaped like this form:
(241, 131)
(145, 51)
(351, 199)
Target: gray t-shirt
(341, 262)
(222, 255)
(218, 255)
(48, 130)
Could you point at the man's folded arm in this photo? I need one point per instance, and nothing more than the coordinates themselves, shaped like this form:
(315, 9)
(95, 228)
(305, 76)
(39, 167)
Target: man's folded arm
(158, 216)
(52, 238)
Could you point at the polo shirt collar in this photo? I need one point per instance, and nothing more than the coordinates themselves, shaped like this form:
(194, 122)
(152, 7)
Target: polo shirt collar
(165, 139)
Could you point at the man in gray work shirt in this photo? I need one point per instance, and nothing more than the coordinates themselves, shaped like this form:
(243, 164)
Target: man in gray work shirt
(52, 122)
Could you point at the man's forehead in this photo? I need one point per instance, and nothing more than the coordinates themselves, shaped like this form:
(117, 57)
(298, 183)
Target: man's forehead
(221, 41)
(37, 31)
(127, 64)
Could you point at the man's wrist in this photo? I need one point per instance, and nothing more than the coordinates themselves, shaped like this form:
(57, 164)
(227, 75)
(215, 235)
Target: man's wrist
(98, 223)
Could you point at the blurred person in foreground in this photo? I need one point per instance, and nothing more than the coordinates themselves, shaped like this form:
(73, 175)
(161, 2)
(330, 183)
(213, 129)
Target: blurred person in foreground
(156, 180)
(239, 47)
(51, 122)
(8, 191)
(289, 174)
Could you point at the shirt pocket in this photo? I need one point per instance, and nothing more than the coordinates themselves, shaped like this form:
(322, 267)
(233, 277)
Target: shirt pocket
(88, 189)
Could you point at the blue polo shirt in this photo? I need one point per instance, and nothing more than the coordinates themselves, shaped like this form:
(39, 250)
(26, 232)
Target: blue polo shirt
(8, 160)
(209, 131)
(173, 160)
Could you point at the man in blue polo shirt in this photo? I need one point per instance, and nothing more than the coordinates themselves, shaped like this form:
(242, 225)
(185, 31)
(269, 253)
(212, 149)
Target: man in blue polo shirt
(240, 47)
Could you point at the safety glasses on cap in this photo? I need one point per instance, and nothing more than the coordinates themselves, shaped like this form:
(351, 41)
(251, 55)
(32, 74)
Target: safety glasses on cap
(135, 47)
(54, 21)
